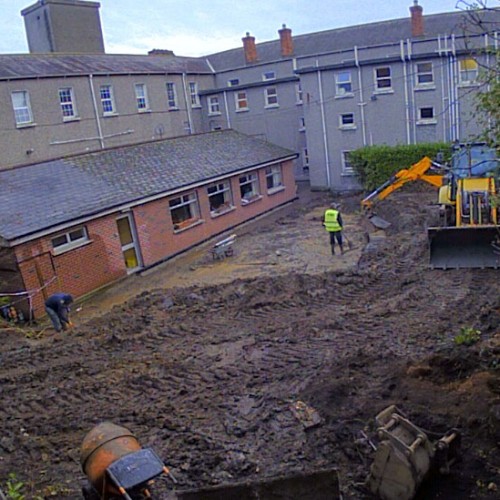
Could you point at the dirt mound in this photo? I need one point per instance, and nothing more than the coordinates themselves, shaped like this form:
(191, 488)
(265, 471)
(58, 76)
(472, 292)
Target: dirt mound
(208, 376)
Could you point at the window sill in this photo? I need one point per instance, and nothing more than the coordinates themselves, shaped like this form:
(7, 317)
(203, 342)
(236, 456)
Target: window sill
(195, 106)
(67, 248)
(214, 214)
(26, 125)
(348, 127)
(144, 111)
(427, 122)
(173, 109)
(71, 119)
(245, 202)
(299, 103)
(110, 115)
(303, 129)
(188, 224)
(348, 95)
(274, 190)
(242, 110)
(382, 92)
(347, 174)
(218, 113)
(468, 84)
(420, 88)
(270, 106)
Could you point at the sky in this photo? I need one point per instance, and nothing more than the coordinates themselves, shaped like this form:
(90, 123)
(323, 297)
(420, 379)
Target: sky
(200, 27)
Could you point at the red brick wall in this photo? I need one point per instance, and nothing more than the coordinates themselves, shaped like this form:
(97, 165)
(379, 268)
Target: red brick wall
(100, 261)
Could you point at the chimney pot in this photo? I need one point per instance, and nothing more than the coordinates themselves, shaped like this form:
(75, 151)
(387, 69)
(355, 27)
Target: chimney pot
(417, 19)
(286, 41)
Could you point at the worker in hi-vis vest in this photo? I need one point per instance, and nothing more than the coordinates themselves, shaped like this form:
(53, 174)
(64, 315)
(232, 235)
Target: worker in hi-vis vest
(333, 224)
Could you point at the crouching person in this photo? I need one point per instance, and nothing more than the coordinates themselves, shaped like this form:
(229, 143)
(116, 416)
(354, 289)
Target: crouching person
(57, 307)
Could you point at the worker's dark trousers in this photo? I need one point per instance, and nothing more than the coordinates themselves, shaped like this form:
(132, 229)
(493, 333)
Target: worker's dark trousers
(335, 235)
(54, 317)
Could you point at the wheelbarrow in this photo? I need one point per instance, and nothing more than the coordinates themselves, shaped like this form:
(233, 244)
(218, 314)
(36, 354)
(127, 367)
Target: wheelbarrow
(223, 248)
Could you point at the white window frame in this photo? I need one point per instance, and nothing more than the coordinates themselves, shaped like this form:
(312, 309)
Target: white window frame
(343, 88)
(22, 111)
(423, 75)
(268, 76)
(302, 124)
(347, 170)
(171, 95)
(194, 98)
(274, 179)
(182, 202)
(347, 121)
(249, 180)
(299, 94)
(141, 97)
(107, 101)
(271, 97)
(73, 238)
(239, 100)
(214, 193)
(305, 159)
(465, 74)
(426, 120)
(233, 82)
(379, 88)
(67, 102)
(213, 105)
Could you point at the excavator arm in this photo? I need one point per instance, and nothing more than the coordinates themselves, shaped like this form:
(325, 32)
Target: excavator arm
(418, 171)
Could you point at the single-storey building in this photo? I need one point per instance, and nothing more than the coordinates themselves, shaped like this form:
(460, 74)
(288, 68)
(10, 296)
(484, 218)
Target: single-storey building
(82, 222)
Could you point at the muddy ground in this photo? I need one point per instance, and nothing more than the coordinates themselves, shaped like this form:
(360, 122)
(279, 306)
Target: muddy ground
(206, 362)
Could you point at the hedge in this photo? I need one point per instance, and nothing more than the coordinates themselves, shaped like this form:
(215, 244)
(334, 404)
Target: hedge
(375, 164)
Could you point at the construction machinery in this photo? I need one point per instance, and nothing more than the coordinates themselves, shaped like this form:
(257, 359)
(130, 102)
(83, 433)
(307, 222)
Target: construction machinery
(407, 455)
(468, 232)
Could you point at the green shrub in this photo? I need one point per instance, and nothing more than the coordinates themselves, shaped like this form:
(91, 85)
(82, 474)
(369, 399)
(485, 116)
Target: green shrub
(376, 164)
(467, 336)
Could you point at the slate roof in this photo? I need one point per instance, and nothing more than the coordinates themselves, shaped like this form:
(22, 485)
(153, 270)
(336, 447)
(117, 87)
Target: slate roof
(37, 65)
(37, 197)
(364, 35)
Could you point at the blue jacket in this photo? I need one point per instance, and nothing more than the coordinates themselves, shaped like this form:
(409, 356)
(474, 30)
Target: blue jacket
(59, 302)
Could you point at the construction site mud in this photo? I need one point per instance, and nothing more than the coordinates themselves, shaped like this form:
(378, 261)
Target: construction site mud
(206, 367)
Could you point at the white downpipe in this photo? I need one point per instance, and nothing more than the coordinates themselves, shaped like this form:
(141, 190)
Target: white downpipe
(188, 104)
(457, 101)
(407, 100)
(444, 100)
(228, 119)
(361, 102)
(96, 111)
(323, 124)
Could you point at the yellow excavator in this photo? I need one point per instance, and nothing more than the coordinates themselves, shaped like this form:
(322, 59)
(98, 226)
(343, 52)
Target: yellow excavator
(468, 234)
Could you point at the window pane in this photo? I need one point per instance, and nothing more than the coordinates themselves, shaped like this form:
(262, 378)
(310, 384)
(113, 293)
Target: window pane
(125, 231)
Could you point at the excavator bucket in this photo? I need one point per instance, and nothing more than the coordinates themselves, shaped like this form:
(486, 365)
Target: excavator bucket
(464, 247)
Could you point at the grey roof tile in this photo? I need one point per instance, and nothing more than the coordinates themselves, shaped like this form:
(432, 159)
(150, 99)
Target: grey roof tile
(37, 197)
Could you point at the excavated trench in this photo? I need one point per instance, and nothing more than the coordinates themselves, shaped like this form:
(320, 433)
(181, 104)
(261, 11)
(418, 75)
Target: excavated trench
(208, 374)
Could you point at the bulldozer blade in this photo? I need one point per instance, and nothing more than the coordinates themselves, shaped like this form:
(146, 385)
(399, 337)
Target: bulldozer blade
(320, 485)
(465, 247)
(378, 222)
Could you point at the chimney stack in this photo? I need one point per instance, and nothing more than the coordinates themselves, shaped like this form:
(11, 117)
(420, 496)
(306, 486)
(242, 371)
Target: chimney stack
(417, 19)
(286, 41)
(250, 49)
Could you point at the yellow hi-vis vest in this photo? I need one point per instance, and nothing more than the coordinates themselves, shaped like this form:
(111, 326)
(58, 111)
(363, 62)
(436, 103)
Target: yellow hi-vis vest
(331, 220)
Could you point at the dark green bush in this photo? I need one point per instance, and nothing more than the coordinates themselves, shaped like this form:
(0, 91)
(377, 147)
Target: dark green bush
(376, 164)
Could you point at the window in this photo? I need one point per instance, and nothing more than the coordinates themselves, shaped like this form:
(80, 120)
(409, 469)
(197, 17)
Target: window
(469, 71)
(69, 240)
(241, 101)
(268, 75)
(305, 160)
(22, 107)
(271, 94)
(171, 95)
(298, 94)
(343, 84)
(424, 74)
(67, 101)
(426, 115)
(184, 210)
(213, 106)
(383, 79)
(107, 101)
(346, 164)
(233, 82)
(302, 124)
(220, 197)
(249, 188)
(141, 97)
(193, 95)
(274, 178)
(347, 120)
